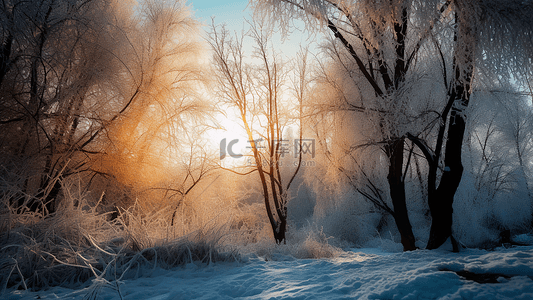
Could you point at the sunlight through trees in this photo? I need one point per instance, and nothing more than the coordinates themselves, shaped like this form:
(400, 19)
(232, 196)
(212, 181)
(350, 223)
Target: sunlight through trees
(131, 134)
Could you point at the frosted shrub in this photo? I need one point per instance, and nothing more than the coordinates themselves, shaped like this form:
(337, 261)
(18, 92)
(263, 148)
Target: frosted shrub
(302, 243)
(78, 243)
(472, 216)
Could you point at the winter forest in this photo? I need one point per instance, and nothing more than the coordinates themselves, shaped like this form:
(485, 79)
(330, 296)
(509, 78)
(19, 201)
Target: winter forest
(135, 136)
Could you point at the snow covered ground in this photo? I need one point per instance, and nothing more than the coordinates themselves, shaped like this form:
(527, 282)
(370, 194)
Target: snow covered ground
(354, 274)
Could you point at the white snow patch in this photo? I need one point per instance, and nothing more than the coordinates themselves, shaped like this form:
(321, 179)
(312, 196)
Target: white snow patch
(369, 273)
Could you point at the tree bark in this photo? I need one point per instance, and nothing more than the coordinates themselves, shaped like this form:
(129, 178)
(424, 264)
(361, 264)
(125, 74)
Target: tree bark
(396, 182)
(5, 55)
(440, 200)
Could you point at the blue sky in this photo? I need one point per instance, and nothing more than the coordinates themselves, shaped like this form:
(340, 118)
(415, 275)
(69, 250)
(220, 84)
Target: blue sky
(224, 11)
(233, 13)
(222, 4)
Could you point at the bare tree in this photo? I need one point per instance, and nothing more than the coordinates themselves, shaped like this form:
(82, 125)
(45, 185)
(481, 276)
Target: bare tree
(365, 31)
(477, 25)
(387, 44)
(50, 61)
(256, 92)
(89, 88)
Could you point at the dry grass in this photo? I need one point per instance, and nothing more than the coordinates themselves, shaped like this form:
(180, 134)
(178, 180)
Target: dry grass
(82, 243)
(77, 244)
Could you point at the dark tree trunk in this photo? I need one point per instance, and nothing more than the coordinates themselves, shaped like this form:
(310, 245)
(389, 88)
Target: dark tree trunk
(395, 148)
(440, 200)
(5, 55)
(46, 200)
(280, 234)
(397, 192)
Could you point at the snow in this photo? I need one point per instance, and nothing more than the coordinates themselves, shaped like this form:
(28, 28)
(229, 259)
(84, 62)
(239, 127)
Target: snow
(369, 273)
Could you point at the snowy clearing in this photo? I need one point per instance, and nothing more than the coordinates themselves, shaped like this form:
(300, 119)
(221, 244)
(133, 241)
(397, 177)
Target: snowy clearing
(356, 273)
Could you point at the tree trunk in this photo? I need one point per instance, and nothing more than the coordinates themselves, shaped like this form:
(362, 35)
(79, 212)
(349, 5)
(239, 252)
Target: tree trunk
(440, 200)
(5, 56)
(397, 192)
(393, 149)
(45, 201)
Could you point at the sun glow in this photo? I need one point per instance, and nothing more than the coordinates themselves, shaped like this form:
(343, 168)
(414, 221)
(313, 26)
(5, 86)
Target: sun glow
(230, 140)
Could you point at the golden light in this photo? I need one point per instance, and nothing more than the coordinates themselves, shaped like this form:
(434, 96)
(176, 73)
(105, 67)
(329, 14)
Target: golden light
(229, 139)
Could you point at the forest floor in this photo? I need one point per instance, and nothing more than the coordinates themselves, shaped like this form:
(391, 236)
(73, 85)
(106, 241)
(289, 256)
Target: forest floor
(357, 273)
